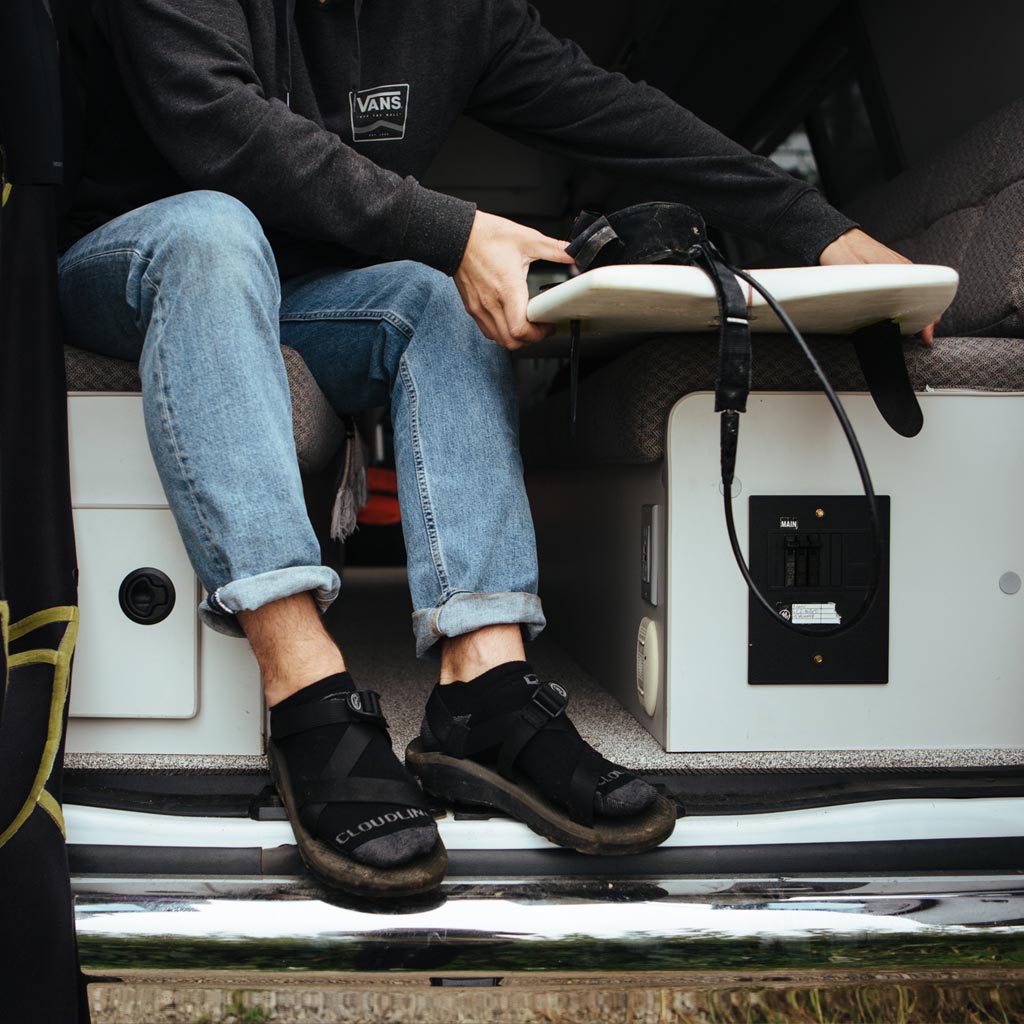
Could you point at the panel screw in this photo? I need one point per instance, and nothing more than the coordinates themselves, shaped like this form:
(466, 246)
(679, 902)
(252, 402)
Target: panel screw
(818, 659)
(819, 513)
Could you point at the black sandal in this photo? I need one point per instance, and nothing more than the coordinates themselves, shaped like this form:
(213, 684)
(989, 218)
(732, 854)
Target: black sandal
(361, 708)
(448, 773)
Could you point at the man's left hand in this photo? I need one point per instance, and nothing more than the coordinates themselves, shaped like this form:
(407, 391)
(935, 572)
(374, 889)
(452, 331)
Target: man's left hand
(855, 246)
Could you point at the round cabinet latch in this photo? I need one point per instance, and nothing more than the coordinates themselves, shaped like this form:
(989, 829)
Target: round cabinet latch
(146, 596)
(648, 665)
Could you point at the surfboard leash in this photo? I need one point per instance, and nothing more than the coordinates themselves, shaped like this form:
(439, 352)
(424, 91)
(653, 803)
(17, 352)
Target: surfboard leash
(729, 444)
(674, 233)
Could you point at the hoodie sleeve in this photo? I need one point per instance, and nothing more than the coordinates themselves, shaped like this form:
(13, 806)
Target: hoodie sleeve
(547, 91)
(189, 68)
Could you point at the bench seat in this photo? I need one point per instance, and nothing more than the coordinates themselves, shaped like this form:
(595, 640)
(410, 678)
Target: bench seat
(318, 431)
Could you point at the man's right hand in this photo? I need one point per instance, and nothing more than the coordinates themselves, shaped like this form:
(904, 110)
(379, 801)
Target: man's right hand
(855, 246)
(492, 278)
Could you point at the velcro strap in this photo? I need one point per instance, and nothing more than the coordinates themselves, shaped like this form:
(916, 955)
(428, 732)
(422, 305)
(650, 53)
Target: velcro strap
(356, 790)
(358, 706)
(879, 351)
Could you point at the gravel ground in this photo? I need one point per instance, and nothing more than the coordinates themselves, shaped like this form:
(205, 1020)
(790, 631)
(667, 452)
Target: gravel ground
(853, 997)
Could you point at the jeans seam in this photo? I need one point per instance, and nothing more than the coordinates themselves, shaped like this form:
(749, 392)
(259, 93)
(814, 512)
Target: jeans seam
(167, 421)
(435, 614)
(352, 314)
(87, 257)
(426, 505)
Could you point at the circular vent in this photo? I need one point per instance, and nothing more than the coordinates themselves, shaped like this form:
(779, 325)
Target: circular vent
(648, 665)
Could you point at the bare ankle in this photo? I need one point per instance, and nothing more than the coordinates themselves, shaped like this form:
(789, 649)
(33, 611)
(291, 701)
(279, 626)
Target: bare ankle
(470, 655)
(291, 645)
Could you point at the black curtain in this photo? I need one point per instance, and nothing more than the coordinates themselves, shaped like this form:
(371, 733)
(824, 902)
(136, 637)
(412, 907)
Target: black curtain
(39, 974)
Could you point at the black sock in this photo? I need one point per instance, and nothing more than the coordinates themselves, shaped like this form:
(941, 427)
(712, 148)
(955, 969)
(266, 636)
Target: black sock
(549, 758)
(384, 835)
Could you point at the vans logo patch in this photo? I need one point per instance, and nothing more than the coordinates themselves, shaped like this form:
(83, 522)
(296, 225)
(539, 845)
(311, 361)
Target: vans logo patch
(379, 114)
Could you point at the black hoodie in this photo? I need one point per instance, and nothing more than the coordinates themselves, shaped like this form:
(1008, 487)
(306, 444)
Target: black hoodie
(320, 115)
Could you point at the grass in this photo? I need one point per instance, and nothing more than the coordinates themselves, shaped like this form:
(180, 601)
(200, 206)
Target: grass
(860, 1004)
(871, 1002)
(237, 1013)
(496, 955)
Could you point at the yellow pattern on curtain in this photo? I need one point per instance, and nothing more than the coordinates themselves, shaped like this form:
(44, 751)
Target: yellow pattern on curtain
(60, 658)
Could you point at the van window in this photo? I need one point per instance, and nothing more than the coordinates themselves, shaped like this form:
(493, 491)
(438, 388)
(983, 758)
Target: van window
(795, 155)
(845, 141)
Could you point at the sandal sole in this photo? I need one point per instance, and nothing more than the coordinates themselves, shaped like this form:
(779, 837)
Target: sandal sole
(461, 781)
(336, 871)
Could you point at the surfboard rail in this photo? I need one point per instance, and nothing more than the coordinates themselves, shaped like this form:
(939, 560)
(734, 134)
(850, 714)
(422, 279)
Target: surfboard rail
(658, 299)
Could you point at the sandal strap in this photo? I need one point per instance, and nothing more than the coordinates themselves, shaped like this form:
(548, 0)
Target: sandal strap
(357, 790)
(360, 710)
(450, 731)
(461, 736)
(583, 787)
(548, 702)
(362, 706)
(341, 762)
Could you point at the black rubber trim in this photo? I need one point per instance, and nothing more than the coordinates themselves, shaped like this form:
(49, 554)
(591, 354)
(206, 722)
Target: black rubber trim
(869, 771)
(200, 794)
(283, 860)
(700, 791)
(166, 860)
(747, 792)
(924, 855)
(918, 856)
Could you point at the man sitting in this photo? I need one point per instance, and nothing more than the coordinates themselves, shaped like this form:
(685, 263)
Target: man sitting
(251, 179)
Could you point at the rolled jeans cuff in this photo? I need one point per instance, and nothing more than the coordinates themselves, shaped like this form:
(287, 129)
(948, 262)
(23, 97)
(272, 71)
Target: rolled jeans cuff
(218, 609)
(464, 612)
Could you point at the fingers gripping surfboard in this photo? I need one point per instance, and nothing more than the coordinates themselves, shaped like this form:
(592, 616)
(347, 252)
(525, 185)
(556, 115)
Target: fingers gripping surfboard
(656, 299)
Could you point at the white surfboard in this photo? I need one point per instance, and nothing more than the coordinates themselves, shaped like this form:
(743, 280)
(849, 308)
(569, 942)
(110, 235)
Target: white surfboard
(642, 299)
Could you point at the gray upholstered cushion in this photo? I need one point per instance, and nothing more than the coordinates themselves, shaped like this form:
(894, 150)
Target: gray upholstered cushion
(317, 430)
(964, 207)
(88, 371)
(623, 407)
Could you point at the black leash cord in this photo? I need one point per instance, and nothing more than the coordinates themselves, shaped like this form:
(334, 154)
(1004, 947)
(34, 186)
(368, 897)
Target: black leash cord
(729, 440)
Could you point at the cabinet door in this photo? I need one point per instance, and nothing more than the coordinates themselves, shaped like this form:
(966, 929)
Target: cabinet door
(124, 669)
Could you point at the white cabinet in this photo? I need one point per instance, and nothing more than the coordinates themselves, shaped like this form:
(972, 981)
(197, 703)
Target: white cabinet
(956, 639)
(126, 669)
(171, 687)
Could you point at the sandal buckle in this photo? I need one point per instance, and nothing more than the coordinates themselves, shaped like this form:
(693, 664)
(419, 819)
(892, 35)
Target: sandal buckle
(551, 699)
(366, 704)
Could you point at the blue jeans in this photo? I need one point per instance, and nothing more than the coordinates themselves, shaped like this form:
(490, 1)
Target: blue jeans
(189, 288)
